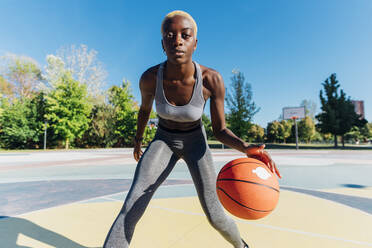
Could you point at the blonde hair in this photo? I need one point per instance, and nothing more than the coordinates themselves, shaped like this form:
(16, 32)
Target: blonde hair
(180, 13)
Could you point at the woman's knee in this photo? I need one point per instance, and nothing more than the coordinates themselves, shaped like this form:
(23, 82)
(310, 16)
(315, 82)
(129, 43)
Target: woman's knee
(218, 220)
(133, 196)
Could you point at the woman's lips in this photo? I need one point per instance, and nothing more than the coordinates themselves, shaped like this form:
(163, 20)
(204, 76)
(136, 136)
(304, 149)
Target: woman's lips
(178, 53)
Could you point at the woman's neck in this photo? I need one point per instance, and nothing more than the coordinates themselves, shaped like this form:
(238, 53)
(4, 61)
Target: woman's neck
(179, 71)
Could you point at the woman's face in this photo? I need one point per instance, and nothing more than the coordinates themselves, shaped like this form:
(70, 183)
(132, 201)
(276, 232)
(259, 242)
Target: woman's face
(179, 41)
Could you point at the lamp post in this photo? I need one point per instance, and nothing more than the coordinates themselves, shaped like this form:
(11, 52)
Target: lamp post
(45, 133)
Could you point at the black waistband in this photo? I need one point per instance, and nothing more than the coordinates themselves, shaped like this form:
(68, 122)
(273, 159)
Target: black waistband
(177, 130)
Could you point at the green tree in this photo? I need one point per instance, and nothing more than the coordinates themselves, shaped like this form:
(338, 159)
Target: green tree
(327, 137)
(256, 133)
(68, 109)
(306, 129)
(338, 115)
(353, 135)
(37, 118)
(3, 106)
(317, 137)
(208, 126)
(240, 105)
(357, 134)
(285, 129)
(126, 113)
(273, 131)
(367, 131)
(101, 129)
(348, 117)
(3, 103)
(20, 125)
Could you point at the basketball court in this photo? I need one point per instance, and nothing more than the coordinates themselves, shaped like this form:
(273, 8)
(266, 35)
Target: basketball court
(70, 199)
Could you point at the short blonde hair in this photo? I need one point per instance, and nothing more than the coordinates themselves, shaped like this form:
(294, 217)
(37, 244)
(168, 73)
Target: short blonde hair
(179, 13)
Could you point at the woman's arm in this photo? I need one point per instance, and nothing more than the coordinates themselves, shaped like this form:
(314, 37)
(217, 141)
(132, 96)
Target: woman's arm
(220, 131)
(147, 88)
(216, 87)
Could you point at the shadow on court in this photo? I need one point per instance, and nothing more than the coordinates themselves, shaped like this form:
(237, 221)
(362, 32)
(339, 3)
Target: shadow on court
(12, 227)
(354, 186)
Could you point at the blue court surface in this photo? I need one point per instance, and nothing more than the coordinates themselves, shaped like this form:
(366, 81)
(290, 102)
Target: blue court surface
(69, 199)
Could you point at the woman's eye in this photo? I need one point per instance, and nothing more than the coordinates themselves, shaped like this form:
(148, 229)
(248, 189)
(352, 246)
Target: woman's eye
(169, 35)
(186, 36)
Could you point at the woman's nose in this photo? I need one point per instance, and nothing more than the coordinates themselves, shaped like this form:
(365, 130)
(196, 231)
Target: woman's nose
(178, 40)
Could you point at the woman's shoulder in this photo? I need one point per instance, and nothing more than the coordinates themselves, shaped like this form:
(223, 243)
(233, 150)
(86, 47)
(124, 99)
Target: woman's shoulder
(211, 77)
(150, 74)
(148, 80)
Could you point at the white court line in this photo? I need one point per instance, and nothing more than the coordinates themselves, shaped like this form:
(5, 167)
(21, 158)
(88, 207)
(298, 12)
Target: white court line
(284, 229)
(107, 197)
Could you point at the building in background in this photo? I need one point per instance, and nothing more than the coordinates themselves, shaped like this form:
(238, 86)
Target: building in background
(359, 107)
(153, 122)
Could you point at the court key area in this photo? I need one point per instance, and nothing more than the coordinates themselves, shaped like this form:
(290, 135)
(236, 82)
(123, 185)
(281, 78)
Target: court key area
(69, 199)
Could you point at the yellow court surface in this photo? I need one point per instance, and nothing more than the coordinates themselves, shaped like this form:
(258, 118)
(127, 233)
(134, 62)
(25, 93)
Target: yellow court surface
(180, 223)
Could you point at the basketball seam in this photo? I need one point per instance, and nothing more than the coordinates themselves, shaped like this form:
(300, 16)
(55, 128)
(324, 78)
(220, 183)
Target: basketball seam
(244, 181)
(239, 164)
(264, 211)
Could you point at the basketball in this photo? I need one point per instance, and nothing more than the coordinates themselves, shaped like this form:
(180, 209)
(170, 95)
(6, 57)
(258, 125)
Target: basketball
(247, 188)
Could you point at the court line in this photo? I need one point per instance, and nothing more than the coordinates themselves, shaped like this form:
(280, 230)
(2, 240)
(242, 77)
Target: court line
(107, 197)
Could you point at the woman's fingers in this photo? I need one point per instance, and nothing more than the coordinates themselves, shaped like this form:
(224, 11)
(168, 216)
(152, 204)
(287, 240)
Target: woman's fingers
(271, 166)
(277, 171)
(265, 157)
(137, 154)
(274, 169)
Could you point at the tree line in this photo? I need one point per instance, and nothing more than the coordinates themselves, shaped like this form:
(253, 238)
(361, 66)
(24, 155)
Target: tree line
(65, 100)
(337, 119)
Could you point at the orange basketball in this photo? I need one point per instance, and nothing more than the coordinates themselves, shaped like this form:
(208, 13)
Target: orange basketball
(247, 188)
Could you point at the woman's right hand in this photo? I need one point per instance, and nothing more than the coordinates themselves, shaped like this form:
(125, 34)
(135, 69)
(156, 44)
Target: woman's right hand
(137, 152)
(258, 152)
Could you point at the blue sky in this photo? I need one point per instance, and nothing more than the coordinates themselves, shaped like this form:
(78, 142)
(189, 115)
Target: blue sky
(285, 48)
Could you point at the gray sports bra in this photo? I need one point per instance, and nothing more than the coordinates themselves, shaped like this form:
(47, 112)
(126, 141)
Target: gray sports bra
(190, 112)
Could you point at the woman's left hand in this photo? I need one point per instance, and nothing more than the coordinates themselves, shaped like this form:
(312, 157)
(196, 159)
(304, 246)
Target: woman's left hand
(259, 153)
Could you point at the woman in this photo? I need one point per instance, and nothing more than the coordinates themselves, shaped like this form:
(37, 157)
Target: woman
(180, 88)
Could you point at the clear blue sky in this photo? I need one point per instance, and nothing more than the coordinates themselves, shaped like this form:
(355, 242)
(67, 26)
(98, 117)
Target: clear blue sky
(285, 49)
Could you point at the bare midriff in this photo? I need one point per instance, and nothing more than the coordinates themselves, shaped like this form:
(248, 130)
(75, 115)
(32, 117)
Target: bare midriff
(180, 126)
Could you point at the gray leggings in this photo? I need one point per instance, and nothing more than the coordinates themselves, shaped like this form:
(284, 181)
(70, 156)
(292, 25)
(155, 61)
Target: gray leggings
(154, 167)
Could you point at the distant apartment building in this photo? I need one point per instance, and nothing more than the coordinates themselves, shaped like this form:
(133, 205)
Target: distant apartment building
(359, 107)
